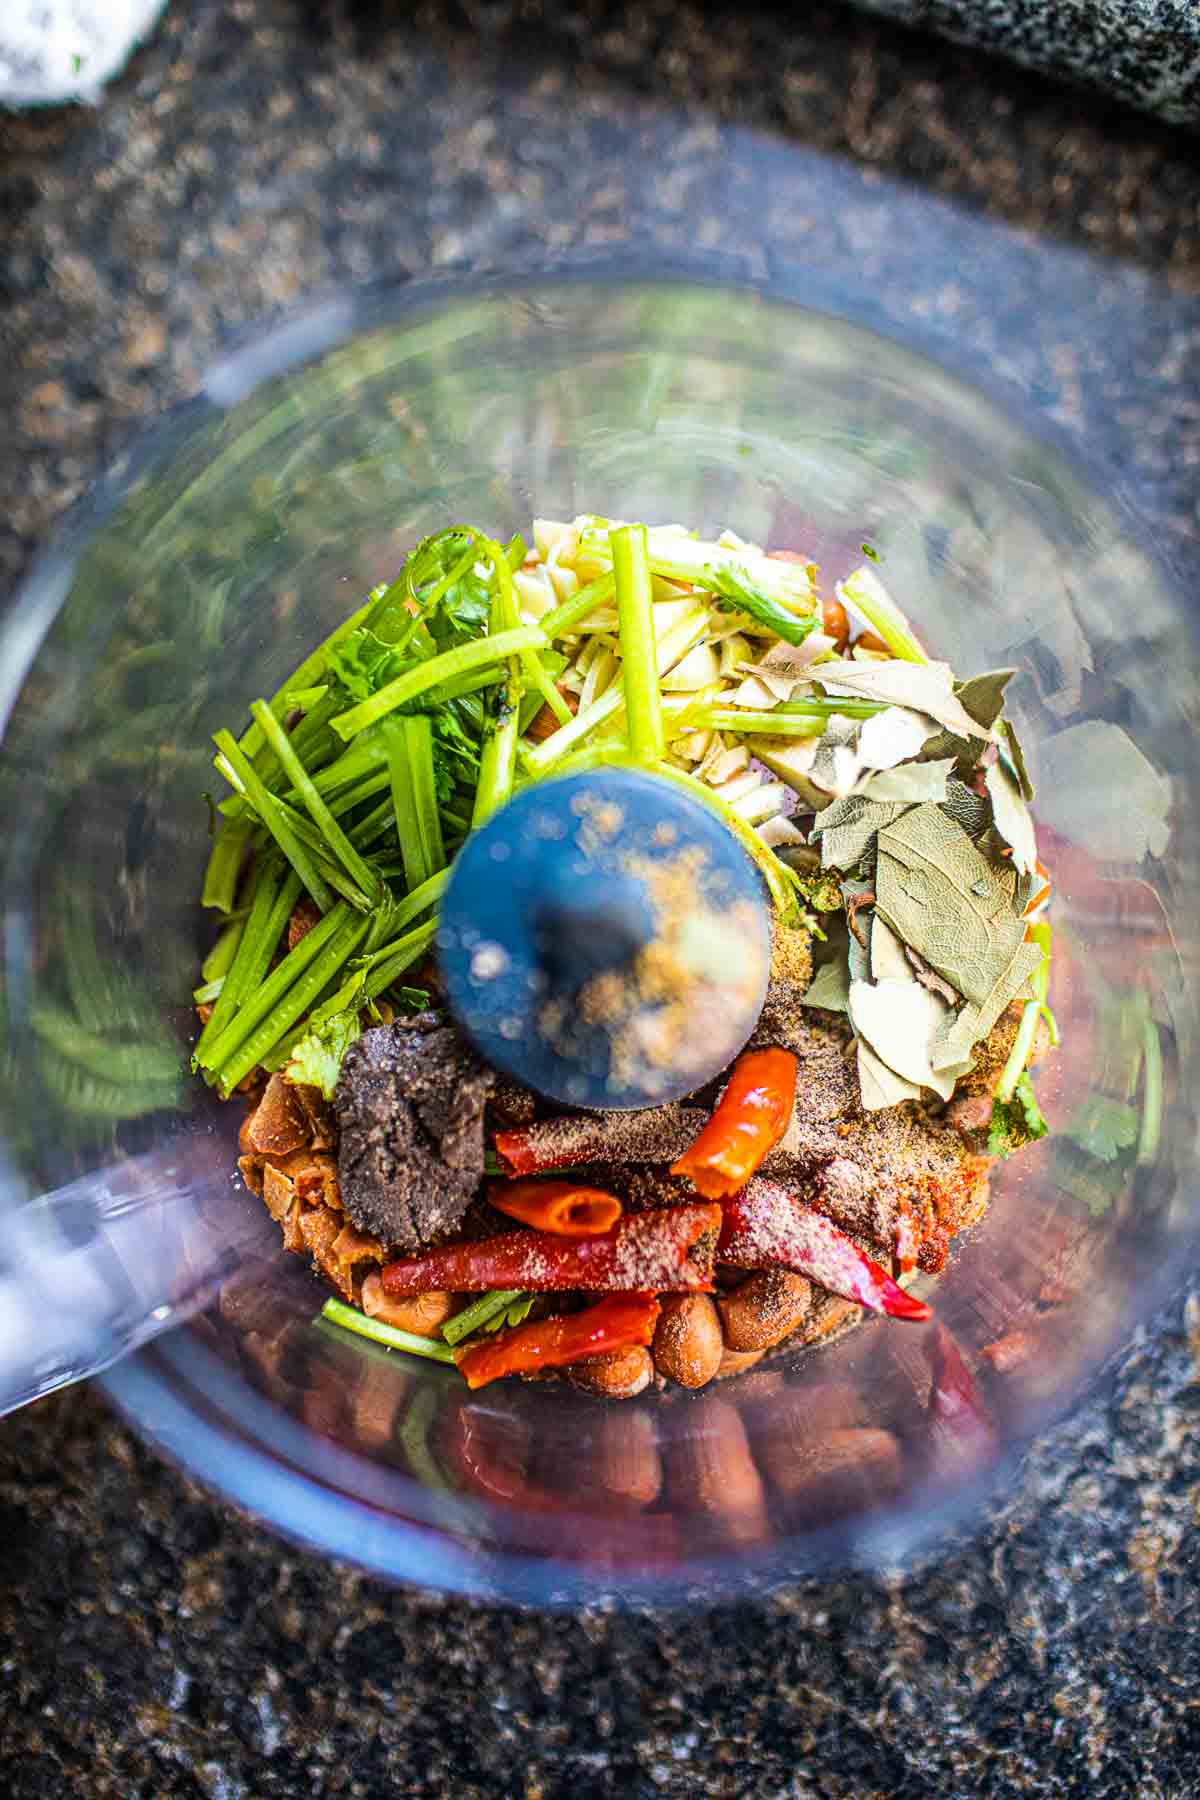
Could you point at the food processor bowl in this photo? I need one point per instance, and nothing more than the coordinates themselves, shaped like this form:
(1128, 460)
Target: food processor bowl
(205, 566)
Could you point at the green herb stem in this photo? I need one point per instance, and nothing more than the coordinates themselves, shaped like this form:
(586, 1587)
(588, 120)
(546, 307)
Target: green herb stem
(639, 650)
(335, 838)
(569, 613)
(280, 1014)
(1150, 1132)
(219, 960)
(224, 863)
(478, 653)
(746, 719)
(409, 742)
(350, 1319)
(1022, 1045)
(313, 667)
(474, 1317)
(271, 812)
(257, 1005)
(276, 892)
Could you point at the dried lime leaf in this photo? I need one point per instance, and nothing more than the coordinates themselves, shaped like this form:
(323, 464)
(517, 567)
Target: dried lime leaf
(941, 896)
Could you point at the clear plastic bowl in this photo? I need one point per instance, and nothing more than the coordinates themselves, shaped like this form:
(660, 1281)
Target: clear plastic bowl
(200, 572)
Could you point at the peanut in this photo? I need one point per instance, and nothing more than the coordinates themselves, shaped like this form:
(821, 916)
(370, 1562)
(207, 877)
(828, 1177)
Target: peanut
(615, 1375)
(712, 1468)
(835, 623)
(687, 1339)
(422, 1314)
(764, 1310)
(628, 1466)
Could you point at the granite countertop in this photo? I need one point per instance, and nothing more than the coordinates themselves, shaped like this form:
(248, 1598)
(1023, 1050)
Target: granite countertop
(155, 1644)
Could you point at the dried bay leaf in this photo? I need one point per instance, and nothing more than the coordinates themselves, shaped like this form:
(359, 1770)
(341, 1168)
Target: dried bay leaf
(836, 765)
(967, 808)
(937, 984)
(878, 1085)
(899, 1019)
(941, 896)
(848, 827)
(857, 956)
(888, 961)
(921, 687)
(961, 1031)
(1011, 815)
(983, 695)
(1017, 757)
(830, 986)
(913, 783)
(893, 737)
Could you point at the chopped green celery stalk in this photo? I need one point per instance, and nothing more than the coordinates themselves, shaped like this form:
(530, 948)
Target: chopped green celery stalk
(674, 644)
(455, 820)
(865, 594)
(275, 895)
(376, 822)
(478, 1313)
(350, 1319)
(465, 684)
(738, 718)
(1022, 1044)
(508, 616)
(313, 667)
(219, 960)
(256, 1006)
(101, 1054)
(413, 1433)
(568, 613)
(404, 952)
(349, 766)
(515, 551)
(403, 912)
(677, 557)
(497, 768)
(409, 741)
(282, 1014)
(337, 844)
(310, 837)
(478, 653)
(825, 709)
(313, 743)
(210, 991)
(271, 813)
(777, 875)
(1150, 1131)
(639, 649)
(224, 864)
(350, 797)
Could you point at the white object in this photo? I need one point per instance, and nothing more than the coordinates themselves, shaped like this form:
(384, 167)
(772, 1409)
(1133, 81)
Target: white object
(55, 50)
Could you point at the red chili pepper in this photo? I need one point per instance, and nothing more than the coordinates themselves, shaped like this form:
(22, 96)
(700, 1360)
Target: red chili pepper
(614, 1324)
(764, 1224)
(572, 1139)
(748, 1121)
(959, 1424)
(650, 1249)
(566, 1208)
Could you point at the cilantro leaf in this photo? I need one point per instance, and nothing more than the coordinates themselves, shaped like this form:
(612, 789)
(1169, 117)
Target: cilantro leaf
(316, 1060)
(1016, 1122)
(736, 592)
(1104, 1127)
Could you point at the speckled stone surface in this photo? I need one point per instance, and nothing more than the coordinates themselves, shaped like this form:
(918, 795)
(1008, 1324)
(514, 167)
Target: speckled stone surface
(1144, 51)
(153, 1645)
